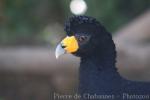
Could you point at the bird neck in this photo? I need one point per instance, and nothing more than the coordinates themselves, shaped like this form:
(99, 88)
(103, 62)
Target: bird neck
(96, 74)
(102, 63)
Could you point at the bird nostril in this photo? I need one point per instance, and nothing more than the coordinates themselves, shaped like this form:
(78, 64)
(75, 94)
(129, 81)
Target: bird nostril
(63, 46)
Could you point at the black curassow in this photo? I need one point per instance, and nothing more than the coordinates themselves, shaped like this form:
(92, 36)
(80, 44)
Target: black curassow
(98, 76)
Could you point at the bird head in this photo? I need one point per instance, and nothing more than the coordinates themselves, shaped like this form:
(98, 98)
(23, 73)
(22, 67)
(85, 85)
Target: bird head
(84, 35)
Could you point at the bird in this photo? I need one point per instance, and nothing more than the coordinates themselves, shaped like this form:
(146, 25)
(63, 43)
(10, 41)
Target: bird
(99, 78)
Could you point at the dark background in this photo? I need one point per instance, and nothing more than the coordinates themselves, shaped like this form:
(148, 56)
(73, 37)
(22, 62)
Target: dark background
(24, 22)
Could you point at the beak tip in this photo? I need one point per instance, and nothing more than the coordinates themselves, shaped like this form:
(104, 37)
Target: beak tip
(56, 56)
(59, 51)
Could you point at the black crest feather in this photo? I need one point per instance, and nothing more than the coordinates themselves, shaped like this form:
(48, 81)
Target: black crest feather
(78, 20)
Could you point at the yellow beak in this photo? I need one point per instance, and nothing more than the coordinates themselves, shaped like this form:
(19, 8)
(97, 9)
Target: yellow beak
(67, 45)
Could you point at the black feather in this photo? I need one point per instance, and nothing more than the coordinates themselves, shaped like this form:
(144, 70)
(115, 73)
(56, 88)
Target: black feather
(98, 74)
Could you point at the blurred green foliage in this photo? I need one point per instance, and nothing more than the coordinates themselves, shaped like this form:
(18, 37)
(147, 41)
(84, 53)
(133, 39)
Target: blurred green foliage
(114, 13)
(23, 21)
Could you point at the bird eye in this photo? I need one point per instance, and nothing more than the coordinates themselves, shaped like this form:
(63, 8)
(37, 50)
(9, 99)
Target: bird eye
(82, 39)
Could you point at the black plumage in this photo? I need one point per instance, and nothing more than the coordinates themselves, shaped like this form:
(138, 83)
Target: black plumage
(97, 73)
